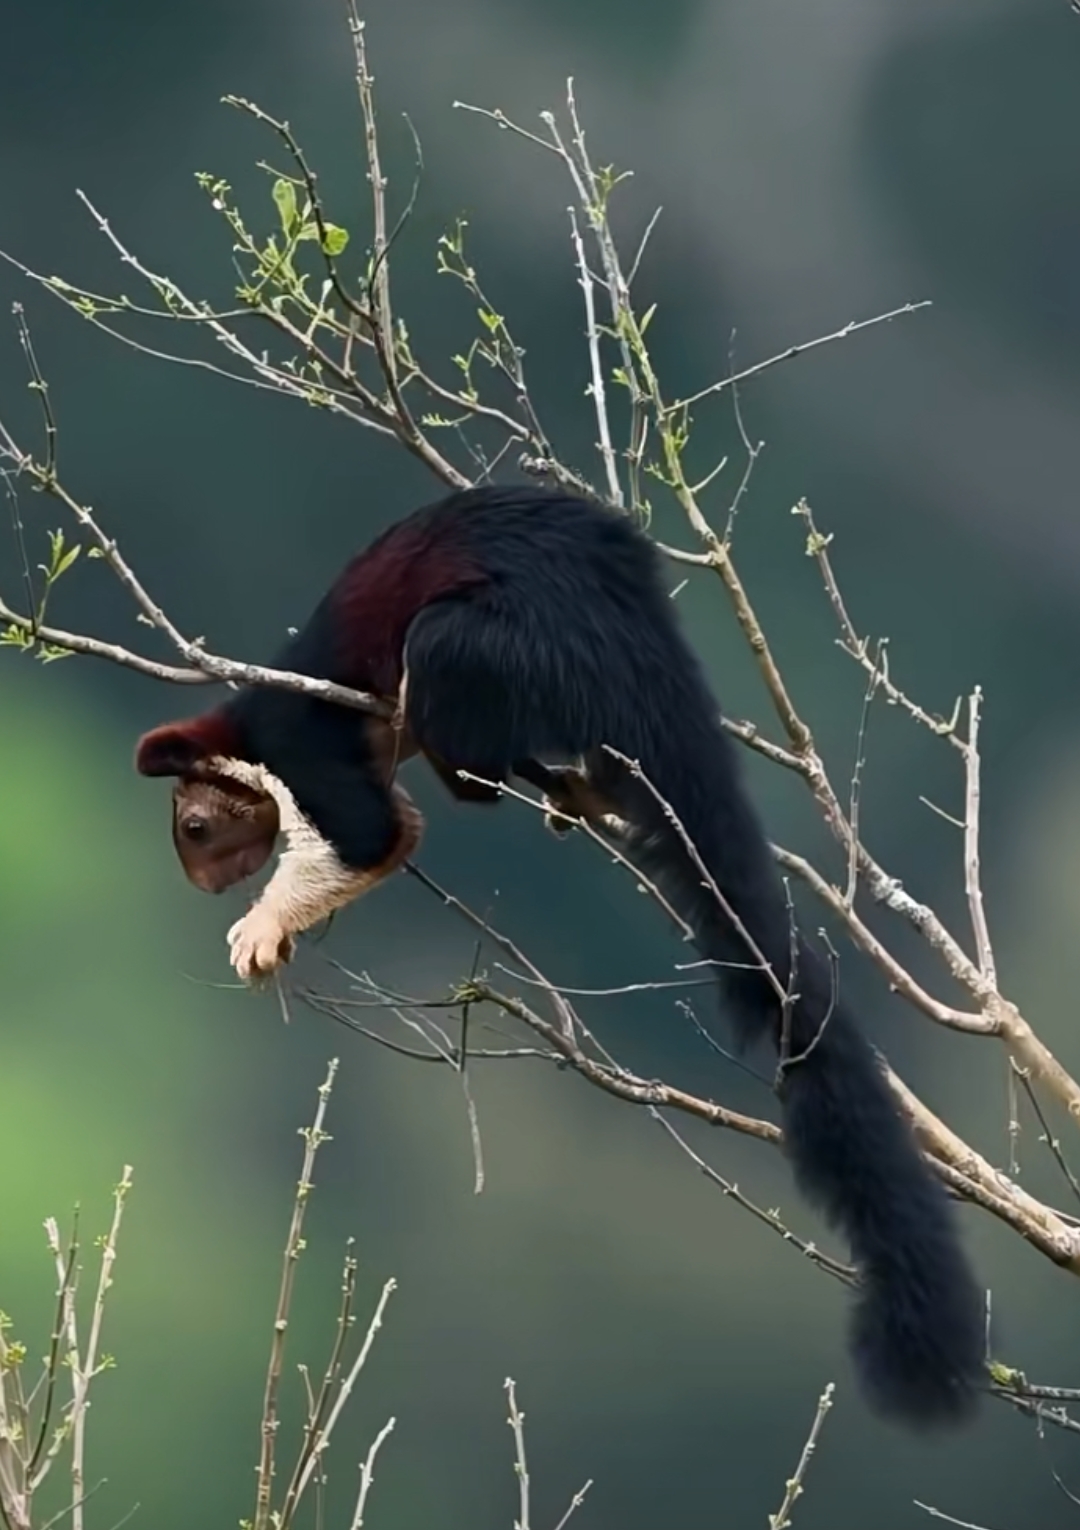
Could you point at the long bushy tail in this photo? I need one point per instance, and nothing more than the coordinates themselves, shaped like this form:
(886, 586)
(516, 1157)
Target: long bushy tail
(917, 1333)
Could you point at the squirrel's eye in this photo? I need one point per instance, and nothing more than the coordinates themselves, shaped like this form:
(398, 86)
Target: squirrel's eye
(194, 828)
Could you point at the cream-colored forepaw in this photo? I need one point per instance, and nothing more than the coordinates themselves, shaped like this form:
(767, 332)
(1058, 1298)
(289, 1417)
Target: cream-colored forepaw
(258, 945)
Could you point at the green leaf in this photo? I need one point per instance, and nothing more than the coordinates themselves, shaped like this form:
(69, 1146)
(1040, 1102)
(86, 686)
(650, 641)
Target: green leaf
(284, 194)
(334, 239)
(66, 561)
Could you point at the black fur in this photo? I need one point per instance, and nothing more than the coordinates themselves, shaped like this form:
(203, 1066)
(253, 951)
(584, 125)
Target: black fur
(574, 644)
(554, 637)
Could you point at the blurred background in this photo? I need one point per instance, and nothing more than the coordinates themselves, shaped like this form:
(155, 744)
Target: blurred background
(815, 164)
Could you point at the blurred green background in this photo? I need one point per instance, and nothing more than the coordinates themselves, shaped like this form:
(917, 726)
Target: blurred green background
(815, 164)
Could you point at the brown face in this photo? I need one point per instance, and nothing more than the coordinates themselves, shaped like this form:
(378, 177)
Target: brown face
(223, 831)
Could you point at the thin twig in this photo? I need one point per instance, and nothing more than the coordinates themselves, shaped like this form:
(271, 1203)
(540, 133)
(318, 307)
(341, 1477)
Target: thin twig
(858, 648)
(1039, 1411)
(781, 989)
(335, 1009)
(855, 797)
(984, 952)
(19, 531)
(516, 1421)
(1021, 1076)
(771, 1218)
(345, 1390)
(620, 990)
(964, 1524)
(794, 1488)
(52, 1363)
(314, 1136)
(466, 1086)
(39, 386)
(564, 1012)
(84, 1373)
(318, 1403)
(853, 327)
(752, 449)
(596, 387)
(575, 1504)
(380, 267)
(550, 810)
(367, 1473)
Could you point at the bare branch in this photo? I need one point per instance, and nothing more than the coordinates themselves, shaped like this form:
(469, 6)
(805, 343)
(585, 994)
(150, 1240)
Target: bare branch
(367, 1473)
(771, 1218)
(345, 1390)
(93, 647)
(972, 881)
(1048, 1135)
(314, 1137)
(900, 980)
(858, 648)
(516, 1421)
(853, 327)
(597, 387)
(972, 1177)
(579, 1497)
(752, 946)
(39, 386)
(964, 1524)
(380, 254)
(782, 1518)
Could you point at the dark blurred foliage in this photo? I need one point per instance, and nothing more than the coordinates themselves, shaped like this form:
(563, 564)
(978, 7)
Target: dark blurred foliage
(815, 164)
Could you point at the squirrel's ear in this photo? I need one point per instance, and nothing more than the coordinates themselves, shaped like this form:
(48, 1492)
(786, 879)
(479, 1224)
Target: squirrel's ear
(177, 749)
